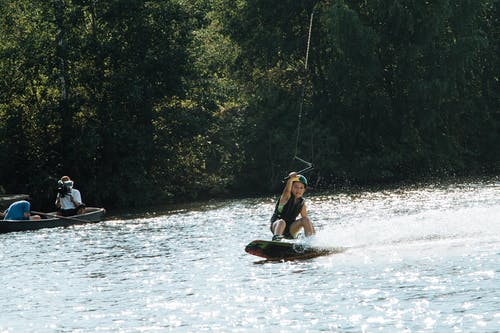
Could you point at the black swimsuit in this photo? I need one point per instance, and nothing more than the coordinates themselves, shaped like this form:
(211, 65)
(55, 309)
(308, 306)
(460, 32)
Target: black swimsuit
(289, 214)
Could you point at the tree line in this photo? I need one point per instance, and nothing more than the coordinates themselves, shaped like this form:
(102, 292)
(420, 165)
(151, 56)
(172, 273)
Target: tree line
(146, 102)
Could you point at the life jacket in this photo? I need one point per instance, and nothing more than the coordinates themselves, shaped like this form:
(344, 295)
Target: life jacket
(290, 211)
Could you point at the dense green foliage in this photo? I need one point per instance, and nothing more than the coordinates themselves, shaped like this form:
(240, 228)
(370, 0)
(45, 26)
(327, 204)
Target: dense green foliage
(143, 102)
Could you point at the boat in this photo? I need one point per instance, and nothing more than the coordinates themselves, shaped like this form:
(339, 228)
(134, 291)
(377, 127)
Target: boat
(52, 220)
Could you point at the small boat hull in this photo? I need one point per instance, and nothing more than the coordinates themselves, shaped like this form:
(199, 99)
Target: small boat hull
(91, 215)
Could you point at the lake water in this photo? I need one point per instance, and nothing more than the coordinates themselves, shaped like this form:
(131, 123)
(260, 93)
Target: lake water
(421, 259)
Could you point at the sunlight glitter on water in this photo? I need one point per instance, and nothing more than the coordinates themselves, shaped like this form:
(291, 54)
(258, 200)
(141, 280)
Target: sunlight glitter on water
(414, 260)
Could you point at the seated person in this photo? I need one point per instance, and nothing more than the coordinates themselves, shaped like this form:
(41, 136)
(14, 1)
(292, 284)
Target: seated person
(68, 200)
(20, 210)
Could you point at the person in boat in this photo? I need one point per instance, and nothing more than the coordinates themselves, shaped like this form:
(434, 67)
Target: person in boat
(291, 204)
(20, 210)
(68, 199)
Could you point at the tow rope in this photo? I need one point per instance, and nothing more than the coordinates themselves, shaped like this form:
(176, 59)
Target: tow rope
(309, 165)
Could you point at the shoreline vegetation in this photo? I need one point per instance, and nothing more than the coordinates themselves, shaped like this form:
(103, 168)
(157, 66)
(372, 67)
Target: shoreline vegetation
(157, 102)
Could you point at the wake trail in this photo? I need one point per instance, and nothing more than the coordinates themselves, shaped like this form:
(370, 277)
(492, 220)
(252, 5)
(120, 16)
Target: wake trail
(466, 225)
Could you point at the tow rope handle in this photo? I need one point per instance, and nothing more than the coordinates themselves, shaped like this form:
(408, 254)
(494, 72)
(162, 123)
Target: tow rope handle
(300, 172)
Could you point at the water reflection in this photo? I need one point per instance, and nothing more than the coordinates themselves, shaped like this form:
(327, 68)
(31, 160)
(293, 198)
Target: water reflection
(417, 259)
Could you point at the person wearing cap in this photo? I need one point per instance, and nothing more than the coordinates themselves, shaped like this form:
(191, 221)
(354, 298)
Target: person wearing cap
(19, 210)
(68, 199)
(291, 204)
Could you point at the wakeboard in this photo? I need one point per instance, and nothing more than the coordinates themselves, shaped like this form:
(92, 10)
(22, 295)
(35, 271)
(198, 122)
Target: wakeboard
(287, 250)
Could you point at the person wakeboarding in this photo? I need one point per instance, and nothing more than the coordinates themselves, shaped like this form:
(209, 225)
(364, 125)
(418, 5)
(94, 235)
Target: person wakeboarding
(284, 222)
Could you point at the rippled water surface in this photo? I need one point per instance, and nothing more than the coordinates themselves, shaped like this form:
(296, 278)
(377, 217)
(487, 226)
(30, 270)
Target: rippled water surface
(418, 260)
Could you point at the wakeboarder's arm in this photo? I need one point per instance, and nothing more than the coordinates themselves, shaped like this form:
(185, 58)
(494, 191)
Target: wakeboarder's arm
(303, 211)
(287, 191)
